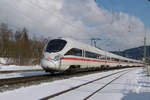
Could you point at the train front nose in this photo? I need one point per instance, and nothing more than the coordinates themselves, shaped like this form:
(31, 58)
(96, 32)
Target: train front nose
(49, 65)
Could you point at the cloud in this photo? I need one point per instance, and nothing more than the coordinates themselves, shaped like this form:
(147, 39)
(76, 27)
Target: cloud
(80, 19)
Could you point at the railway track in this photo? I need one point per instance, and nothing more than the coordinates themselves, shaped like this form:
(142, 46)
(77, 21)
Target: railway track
(84, 84)
(48, 76)
(103, 87)
(27, 79)
(16, 80)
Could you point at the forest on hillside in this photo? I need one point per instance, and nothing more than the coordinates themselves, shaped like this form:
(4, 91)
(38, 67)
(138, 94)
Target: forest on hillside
(18, 47)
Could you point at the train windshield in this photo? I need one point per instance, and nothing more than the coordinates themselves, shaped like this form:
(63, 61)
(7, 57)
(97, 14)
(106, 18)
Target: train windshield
(55, 45)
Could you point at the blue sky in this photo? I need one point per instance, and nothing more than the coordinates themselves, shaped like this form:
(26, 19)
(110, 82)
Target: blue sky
(138, 8)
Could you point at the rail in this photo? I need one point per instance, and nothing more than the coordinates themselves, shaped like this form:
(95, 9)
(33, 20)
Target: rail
(78, 86)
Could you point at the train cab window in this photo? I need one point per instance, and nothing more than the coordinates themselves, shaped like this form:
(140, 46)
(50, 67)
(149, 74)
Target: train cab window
(55, 45)
(74, 52)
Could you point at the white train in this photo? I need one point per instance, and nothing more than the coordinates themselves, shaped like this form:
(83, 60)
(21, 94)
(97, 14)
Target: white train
(63, 54)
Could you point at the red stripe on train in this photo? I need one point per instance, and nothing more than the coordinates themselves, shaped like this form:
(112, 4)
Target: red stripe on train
(82, 59)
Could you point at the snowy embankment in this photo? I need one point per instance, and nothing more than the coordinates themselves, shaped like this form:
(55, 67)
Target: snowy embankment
(16, 67)
(4, 67)
(3, 60)
(134, 85)
(20, 74)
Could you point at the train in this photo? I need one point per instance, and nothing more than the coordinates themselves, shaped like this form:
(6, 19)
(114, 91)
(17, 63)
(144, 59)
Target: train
(66, 54)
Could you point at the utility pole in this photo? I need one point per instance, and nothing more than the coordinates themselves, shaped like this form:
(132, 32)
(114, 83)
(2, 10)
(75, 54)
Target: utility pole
(94, 40)
(119, 52)
(144, 50)
(145, 58)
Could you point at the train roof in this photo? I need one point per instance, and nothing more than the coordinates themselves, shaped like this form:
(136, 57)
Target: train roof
(76, 44)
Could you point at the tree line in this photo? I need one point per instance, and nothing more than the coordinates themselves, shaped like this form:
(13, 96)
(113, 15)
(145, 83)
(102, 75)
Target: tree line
(18, 47)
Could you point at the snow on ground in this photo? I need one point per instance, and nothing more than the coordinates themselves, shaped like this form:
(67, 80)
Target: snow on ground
(22, 74)
(15, 67)
(84, 91)
(45, 89)
(4, 67)
(3, 60)
(19, 74)
(134, 85)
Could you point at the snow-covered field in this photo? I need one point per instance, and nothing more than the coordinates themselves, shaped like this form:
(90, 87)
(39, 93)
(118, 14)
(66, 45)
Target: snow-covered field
(4, 67)
(20, 74)
(134, 85)
(15, 67)
(3, 60)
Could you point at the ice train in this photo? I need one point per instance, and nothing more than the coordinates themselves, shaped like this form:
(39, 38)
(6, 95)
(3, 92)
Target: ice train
(64, 54)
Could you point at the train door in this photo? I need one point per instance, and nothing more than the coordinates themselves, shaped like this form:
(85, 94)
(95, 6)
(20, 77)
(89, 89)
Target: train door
(87, 59)
(105, 63)
(84, 61)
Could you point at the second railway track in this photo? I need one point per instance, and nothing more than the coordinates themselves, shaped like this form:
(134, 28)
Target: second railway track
(84, 84)
(17, 82)
(103, 86)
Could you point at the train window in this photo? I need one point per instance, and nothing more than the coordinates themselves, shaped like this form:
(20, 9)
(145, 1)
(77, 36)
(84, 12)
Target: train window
(126, 61)
(115, 59)
(92, 55)
(103, 57)
(55, 45)
(112, 59)
(108, 58)
(98, 56)
(74, 52)
(131, 61)
(89, 55)
(121, 60)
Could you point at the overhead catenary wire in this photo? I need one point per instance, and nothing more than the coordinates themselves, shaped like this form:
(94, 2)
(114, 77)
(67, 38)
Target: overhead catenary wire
(49, 11)
(60, 18)
(114, 15)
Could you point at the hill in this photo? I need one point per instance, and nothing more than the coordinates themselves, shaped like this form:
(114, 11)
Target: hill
(135, 53)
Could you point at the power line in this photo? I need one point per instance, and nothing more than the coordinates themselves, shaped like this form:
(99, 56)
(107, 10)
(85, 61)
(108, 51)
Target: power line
(145, 58)
(113, 17)
(64, 21)
(48, 11)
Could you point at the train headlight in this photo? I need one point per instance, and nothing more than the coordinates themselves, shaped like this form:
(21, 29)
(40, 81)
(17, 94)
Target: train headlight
(58, 57)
